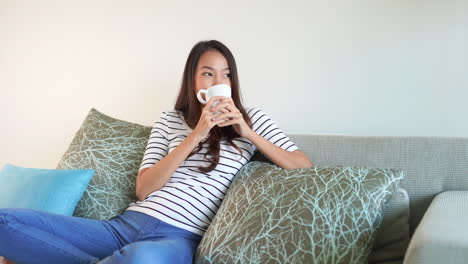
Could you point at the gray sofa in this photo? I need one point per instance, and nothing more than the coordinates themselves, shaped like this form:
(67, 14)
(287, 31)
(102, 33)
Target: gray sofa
(427, 219)
(436, 185)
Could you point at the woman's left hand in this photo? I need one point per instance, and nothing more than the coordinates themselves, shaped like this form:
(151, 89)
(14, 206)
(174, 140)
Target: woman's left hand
(232, 115)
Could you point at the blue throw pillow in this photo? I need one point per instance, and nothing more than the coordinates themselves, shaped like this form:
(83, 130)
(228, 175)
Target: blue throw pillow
(52, 190)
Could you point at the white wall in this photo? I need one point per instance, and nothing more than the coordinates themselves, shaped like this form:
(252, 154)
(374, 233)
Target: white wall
(391, 68)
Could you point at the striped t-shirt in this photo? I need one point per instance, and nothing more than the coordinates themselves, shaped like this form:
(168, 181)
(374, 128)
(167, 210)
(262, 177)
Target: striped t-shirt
(190, 198)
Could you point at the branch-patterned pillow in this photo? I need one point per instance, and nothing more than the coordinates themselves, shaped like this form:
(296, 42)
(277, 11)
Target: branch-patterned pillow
(114, 149)
(311, 215)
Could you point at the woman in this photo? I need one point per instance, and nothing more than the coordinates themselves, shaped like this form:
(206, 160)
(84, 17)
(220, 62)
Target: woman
(190, 160)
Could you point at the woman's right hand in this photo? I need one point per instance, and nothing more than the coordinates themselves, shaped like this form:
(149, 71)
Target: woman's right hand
(206, 122)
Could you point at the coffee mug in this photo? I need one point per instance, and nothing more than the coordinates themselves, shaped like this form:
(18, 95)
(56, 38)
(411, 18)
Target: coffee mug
(215, 90)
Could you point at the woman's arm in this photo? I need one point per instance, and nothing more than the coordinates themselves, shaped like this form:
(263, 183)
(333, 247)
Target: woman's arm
(281, 157)
(153, 178)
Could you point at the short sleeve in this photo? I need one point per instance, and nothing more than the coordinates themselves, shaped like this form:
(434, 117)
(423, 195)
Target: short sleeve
(267, 128)
(157, 146)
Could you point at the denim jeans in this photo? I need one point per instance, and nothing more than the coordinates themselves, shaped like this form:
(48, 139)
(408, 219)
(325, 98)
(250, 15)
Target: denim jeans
(32, 236)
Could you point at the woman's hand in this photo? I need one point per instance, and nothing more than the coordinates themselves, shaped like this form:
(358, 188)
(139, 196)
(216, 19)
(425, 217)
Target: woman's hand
(206, 122)
(233, 117)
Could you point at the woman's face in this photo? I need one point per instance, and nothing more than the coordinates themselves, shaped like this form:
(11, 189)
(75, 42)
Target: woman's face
(212, 69)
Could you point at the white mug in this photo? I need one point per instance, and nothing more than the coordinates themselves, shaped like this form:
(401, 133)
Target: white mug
(215, 90)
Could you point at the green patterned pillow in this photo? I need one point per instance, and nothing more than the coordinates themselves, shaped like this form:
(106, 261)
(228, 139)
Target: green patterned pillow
(312, 215)
(114, 149)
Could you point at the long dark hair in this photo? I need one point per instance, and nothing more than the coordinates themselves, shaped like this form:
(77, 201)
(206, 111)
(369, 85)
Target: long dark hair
(188, 104)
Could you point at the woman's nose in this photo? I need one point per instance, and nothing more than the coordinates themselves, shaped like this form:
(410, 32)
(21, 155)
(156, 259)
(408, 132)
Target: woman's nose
(218, 79)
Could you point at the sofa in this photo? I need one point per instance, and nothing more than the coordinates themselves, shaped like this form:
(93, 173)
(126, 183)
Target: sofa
(425, 220)
(436, 185)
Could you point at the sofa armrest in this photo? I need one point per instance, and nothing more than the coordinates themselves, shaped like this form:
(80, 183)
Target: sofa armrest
(442, 235)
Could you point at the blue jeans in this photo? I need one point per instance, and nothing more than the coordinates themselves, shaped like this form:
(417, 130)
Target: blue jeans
(32, 236)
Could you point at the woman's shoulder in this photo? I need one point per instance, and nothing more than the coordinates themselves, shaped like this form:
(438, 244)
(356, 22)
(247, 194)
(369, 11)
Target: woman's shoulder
(250, 109)
(173, 120)
(173, 112)
(170, 115)
(169, 112)
(253, 111)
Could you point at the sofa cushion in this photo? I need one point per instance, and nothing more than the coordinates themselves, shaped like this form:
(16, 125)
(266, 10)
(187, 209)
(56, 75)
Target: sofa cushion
(442, 234)
(114, 148)
(318, 215)
(392, 237)
(54, 191)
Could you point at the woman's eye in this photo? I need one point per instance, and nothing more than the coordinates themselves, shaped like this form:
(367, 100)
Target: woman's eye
(209, 74)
